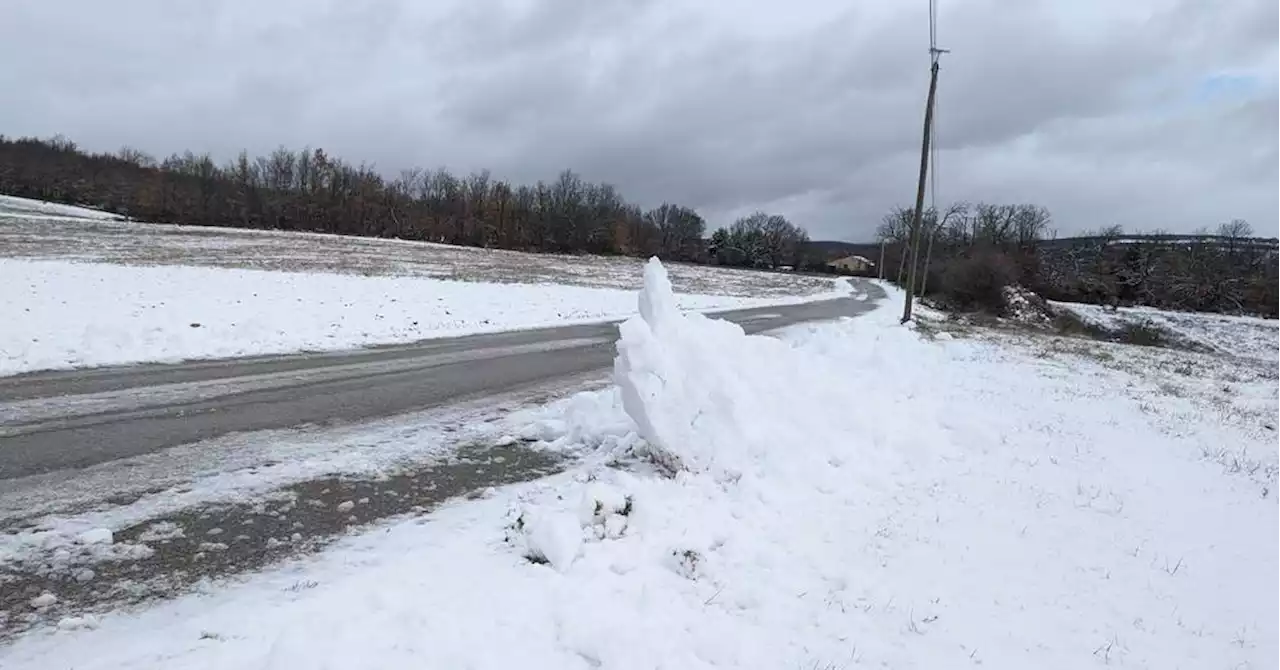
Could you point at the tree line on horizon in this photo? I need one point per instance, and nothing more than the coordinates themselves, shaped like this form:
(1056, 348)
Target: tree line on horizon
(970, 252)
(309, 190)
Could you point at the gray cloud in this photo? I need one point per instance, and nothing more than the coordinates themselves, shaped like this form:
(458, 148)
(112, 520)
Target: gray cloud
(1150, 114)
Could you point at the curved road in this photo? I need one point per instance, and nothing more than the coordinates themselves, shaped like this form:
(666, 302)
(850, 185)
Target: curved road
(77, 418)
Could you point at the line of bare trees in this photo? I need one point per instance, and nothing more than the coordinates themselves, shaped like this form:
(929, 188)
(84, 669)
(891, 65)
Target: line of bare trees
(1229, 271)
(310, 190)
(970, 252)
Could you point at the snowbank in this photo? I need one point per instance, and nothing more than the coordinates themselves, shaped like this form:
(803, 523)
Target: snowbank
(850, 496)
(24, 207)
(61, 314)
(709, 398)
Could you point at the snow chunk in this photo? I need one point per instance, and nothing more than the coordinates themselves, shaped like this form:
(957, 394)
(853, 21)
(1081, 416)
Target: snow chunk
(87, 621)
(44, 600)
(605, 511)
(547, 536)
(161, 530)
(96, 536)
(346, 506)
(601, 500)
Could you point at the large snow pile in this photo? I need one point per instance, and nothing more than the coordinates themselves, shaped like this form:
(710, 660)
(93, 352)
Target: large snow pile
(60, 314)
(848, 496)
(708, 398)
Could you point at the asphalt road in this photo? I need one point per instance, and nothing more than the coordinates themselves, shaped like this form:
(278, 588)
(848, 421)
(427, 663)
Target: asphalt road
(73, 419)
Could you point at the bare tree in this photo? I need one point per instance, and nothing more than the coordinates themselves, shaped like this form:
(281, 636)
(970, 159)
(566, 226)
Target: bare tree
(1236, 229)
(681, 231)
(136, 156)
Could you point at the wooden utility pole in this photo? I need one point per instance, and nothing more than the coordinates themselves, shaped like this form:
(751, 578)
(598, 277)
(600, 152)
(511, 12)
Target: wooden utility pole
(880, 267)
(914, 250)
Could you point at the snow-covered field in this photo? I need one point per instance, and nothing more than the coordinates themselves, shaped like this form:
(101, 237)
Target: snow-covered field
(1248, 337)
(83, 288)
(24, 208)
(36, 230)
(70, 314)
(854, 494)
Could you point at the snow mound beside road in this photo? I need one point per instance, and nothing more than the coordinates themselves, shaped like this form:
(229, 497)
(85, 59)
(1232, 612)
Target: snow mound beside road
(709, 398)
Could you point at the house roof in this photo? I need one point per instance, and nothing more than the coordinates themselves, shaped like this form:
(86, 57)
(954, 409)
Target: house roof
(852, 259)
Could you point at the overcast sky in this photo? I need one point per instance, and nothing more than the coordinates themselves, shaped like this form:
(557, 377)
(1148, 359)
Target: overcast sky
(1146, 113)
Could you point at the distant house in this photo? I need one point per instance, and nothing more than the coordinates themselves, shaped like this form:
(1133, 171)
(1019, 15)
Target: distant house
(853, 263)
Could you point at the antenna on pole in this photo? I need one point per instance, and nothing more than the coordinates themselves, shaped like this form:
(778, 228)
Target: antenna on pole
(934, 54)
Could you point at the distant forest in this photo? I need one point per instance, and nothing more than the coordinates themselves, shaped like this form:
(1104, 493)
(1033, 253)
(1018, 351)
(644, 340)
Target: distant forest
(969, 251)
(313, 191)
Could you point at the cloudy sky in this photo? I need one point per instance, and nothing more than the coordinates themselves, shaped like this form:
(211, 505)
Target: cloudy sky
(1146, 113)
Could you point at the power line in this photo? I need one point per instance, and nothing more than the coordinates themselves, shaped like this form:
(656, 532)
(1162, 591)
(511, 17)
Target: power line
(933, 26)
(934, 51)
(933, 160)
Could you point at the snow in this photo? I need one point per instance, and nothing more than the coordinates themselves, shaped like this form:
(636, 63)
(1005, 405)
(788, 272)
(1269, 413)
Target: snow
(85, 236)
(96, 536)
(48, 513)
(553, 537)
(27, 208)
(161, 530)
(851, 494)
(1024, 306)
(64, 553)
(83, 314)
(44, 600)
(699, 408)
(78, 622)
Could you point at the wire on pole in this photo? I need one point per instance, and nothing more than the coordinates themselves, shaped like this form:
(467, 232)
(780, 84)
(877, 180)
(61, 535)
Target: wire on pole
(933, 26)
(927, 152)
(934, 54)
(934, 51)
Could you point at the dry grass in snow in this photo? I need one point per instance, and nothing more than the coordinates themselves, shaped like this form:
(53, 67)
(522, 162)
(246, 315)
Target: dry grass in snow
(31, 229)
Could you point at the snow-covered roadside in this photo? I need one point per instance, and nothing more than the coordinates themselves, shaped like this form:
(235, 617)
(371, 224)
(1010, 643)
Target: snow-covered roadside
(54, 511)
(60, 314)
(851, 495)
